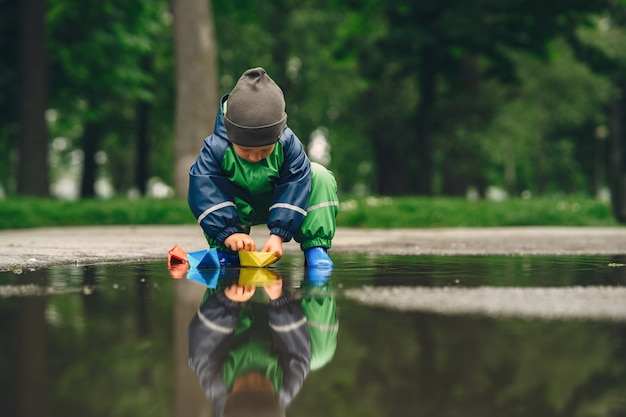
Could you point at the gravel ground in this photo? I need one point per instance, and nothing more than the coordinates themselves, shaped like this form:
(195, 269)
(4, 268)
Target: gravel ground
(597, 303)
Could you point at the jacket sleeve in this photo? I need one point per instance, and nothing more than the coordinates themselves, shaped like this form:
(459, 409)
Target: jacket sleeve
(210, 193)
(290, 337)
(292, 190)
(210, 335)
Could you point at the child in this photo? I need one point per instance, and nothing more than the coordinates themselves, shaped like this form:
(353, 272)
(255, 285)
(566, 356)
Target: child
(253, 170)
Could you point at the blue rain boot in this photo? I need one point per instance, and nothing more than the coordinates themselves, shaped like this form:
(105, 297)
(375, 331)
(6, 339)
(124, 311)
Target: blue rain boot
(317, 257)
(228, 259)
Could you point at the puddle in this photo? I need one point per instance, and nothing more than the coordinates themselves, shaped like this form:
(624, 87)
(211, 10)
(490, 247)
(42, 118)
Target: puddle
(392, 335)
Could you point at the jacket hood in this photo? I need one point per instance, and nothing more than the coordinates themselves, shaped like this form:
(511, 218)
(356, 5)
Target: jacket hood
(220, 128)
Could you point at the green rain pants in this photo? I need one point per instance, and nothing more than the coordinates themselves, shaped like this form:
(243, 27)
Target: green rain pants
(320, 308)
(318, 227)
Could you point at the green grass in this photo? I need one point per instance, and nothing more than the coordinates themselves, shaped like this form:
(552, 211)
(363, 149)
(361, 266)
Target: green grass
(366, 212)
(31, 212)
(371, 212)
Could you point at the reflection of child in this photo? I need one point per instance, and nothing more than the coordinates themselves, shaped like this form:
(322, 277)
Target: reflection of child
(320, 308)
(253, 170)
(244, 365)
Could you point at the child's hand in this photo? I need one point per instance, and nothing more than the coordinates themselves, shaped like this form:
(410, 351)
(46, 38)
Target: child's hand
(239, 293)
(274, 245)
(275, 289)
(240, 241)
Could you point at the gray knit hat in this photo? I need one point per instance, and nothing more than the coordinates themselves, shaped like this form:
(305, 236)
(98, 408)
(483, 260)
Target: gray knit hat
(253, 403)
(255, 110)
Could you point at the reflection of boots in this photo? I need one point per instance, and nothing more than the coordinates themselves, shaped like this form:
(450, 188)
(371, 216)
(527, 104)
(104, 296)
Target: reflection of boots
(317, 257)
(317, 277)
(228, 259)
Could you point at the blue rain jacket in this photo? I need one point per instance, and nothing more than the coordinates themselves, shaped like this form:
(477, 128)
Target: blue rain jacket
(220, 183)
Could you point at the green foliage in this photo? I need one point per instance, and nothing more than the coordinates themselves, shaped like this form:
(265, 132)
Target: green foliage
(429, 64)
(26, 212)
(369, 212)
(552, 113)
(105, 59)
(399, 212)
(513, 101)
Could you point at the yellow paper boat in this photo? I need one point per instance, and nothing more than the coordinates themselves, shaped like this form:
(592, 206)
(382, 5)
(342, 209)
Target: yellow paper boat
(256, 259)
(256, 276)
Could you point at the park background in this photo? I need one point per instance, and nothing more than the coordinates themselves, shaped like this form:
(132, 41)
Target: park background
(430, 113)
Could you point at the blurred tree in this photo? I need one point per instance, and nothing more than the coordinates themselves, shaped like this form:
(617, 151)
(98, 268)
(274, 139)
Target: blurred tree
(97, 66)
(143, 109)
(196, 83)
(32, 174)
(104, 61)
(552, 111)
(145, 150)
(603, 51)
(617, 160)
(9, 86)
(444, 50)
(413, 97)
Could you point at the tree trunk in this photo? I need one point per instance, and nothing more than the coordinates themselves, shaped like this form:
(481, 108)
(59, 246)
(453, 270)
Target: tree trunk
(32, 172)
(458, 175)
(541, 166)
(196, 83)
(599, 166)
(143, 146)
(392, 172)
(510, 168)
(91, 142)
(424, 116)
(616, 162)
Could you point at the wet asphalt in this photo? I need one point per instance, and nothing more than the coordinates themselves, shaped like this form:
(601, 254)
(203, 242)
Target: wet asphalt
(31, 249)
(44, 247)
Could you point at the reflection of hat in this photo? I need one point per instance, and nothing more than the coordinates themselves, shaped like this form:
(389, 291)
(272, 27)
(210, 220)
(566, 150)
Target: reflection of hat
(255, 110)
(253, 403)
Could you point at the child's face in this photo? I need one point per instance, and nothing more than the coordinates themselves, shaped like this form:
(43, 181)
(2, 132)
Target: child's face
(253, 153)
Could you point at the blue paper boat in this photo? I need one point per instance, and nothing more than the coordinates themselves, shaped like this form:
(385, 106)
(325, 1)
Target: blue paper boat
(203, 259)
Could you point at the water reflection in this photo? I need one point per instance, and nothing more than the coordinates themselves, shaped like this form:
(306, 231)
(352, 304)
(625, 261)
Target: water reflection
(33, 354)
(253, 341)
(111, 340)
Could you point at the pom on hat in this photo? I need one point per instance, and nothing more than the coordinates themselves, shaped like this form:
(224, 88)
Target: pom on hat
(255, 111)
